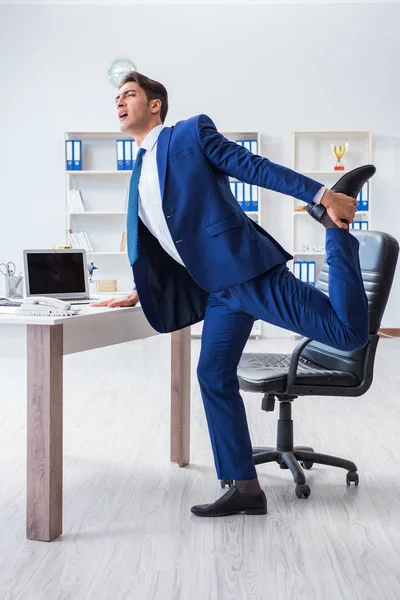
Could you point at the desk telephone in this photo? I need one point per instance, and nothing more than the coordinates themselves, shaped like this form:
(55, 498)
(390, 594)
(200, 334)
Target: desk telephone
(41, 306)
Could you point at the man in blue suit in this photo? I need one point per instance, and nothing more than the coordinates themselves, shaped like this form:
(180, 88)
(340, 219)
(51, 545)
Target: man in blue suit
(196, 255)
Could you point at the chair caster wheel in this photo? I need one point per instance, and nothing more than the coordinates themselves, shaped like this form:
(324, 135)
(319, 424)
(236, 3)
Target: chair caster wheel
(228, 482)
(307, 464)
(302, 490)
(352, 477)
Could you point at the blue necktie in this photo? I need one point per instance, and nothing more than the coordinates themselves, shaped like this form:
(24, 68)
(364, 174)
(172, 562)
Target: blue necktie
(133, 208)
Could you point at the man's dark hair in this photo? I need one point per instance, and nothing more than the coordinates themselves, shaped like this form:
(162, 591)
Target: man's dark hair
(153, 90)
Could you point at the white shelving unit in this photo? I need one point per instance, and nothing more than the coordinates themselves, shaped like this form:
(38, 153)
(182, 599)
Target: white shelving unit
(104, 192)
(312, 155)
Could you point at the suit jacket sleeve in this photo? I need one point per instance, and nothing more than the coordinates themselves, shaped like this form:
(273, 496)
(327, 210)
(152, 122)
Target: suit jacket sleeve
(236, 161)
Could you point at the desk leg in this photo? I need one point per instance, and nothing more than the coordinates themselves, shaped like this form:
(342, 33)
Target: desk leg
(180, 396)
(45, 432)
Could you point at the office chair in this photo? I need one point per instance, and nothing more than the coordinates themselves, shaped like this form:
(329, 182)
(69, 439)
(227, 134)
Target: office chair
(317, 369)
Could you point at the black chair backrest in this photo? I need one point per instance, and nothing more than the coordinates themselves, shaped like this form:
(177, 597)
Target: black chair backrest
(378, 257)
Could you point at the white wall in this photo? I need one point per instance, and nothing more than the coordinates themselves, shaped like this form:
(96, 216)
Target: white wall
(267, 68)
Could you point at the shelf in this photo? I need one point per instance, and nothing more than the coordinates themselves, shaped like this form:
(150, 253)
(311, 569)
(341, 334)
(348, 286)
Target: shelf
(93, 212)
(338, 173)
(304, 212)
(309, 253)
(116, 172)
(333, 131)
(107, 253)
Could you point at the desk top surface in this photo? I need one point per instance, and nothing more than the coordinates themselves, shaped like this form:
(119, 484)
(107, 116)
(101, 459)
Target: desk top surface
(8, 316)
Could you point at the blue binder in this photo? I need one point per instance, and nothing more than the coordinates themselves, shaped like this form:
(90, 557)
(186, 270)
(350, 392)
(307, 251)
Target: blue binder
(127, 155)
(254, 198)
(69, 155)
(77, 145)
(247, 196)
(254, 146)
(120, 155)
(240, 193)
(364, 197)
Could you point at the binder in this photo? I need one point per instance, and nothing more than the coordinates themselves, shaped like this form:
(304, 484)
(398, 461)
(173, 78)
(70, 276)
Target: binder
(254, 146)
(127, 155)
(240, 142)
(247, 144)
(364, 225)
(303, 271)
(311, 272)
(77, 145)
(120, 155)
(69, 155)
(254, 198)
(89, 247)
(134, 151)
(355, 225)
(297, 269)
(247, 196)
(239, 192)
(233, 187)
(364, 197)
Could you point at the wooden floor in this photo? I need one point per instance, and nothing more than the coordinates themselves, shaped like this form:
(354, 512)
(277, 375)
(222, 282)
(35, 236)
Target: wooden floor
(129, 533)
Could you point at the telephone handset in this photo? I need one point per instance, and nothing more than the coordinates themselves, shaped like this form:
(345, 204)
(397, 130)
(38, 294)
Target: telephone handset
(42, 306)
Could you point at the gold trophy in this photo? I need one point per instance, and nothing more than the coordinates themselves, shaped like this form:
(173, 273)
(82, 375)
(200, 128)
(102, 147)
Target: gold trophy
(339, 152)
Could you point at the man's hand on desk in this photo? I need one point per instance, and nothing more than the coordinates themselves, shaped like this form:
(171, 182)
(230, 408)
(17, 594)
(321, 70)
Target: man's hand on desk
(130, 300)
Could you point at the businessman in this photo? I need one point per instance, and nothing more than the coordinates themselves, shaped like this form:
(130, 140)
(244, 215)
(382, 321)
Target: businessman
(196, 255)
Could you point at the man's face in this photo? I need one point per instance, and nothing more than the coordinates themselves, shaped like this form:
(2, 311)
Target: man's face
(133, 109)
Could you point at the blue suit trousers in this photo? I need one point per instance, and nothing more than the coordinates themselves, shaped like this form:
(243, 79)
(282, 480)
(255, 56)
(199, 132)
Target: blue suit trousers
(339, 320)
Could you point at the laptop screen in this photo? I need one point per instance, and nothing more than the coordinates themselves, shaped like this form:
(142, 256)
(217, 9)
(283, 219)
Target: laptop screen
(55, 273)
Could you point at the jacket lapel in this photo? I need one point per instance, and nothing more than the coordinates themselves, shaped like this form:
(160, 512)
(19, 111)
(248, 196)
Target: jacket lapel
(162, 156)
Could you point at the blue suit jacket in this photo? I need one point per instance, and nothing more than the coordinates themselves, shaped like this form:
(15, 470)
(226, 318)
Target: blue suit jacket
(218, 243)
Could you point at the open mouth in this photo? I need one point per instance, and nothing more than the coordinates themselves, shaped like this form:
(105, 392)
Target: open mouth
(122, 115)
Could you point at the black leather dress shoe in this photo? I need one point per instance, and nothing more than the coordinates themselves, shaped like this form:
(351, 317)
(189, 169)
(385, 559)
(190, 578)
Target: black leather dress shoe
(231, 503)
(350, 184)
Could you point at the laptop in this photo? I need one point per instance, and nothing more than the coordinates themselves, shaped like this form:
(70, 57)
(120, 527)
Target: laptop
(61, 274)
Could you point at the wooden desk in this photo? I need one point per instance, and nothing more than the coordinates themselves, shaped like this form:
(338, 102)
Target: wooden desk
(44, 341)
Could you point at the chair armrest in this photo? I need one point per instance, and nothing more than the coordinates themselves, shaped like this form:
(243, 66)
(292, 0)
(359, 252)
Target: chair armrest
(365, 384)
(294, 361)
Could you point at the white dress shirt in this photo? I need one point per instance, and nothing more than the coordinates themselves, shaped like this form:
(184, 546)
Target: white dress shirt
(150, 201)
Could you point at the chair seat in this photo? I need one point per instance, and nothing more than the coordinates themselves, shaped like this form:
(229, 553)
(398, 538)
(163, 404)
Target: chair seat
(268, 373)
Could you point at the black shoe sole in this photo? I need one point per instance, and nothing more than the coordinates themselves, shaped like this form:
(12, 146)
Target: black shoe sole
(248, 511)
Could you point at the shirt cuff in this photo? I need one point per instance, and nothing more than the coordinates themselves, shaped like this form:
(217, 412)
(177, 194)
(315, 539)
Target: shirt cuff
(318, 196)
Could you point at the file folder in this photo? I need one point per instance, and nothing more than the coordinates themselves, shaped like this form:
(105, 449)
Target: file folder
(311, 272)
(254, 146)
(247, 144)
(134, 152)
(77, 155)
(239, 192)
(364, 197)
(69, 155)
(247, 197)
(303, 271)
(254, 198)
(120, 155)
(127, 155)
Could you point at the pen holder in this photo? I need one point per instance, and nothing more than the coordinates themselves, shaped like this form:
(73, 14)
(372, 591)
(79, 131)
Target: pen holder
(14, 286)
